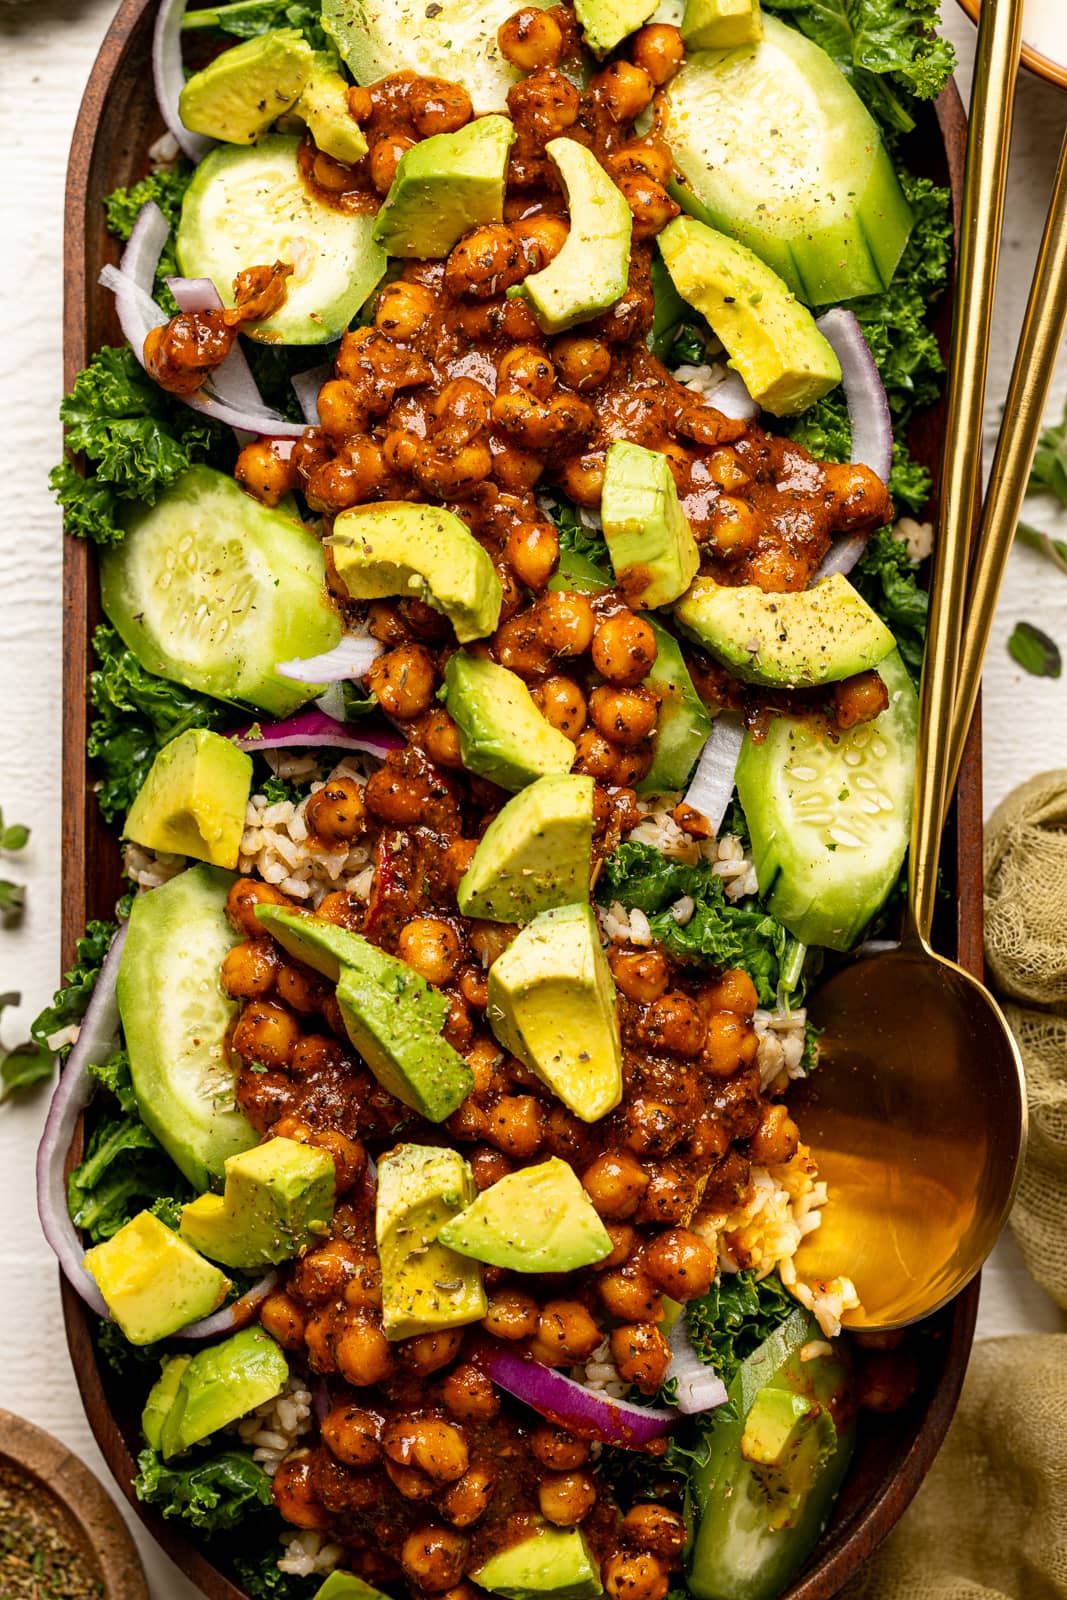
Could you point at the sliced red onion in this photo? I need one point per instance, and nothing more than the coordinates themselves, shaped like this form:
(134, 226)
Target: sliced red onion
(582, 1411)
(352, 658)
(698, 1387)
(232, 382)
(170, 77)
(306, 386)
(713, 781)
(236, 1315)
(313, 728)
(868, 407)
(842, 555)
(732, 399)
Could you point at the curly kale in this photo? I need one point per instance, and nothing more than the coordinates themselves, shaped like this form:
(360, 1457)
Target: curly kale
(888, 580)
(212, 1492)
(167, 189)
(71, 1001)
(732, 1320)
(576, 535)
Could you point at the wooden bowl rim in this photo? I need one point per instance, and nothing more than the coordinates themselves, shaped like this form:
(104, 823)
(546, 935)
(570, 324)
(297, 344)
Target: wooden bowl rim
(1035, 60)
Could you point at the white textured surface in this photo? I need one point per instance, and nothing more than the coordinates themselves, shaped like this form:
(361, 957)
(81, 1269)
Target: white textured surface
(46, 49)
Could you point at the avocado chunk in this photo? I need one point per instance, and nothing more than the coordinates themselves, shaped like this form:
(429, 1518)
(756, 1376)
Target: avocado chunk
(425, 1285)
(278, 1198)
(539, 1219)
(772, 340)
(248, 87)
(650, 542)
(593, 268)
(721, 24)
(554, 1562)
(317, 943)
(153, 1282)
(193, 801)
(323, 106)
(605, 23)
(394, 547)
(502, 735)
(552, 1004)
(535, 854)
(684, 721)
(346, 1586)
(775, 1463)
(445, 186)
(221, 1384)
(786, 641)
(161, 1397)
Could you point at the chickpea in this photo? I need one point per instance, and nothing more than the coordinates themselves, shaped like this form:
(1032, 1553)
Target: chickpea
(630, 1294)
(346, 911)
(624, 716)
(640, 974)
(266, 1033)
(351, 1434)
(432, 947)
(384, 158)
(468, 1393)
(241, 902)
(433, 1558)
(294, 1496)
(725, 1044)
(515, 1125)
(511, 1315)
(248, 970)
(403, 309)
(283, 1319)
(566, 1497)
(633, 765)
(440, 737)
(532, 552)
(726, 470)
(303, 992)
(650, 205)
(625, 90)
(363, 1291)
(634, 1577)
(674, 1023)
(671, 1197)
(336, 814)
(623, 1243)
(594, 755)
(565, 622)
(681, 1264)
(485, 263)
(360, 104)
(565, 1328)
(321, 1275)
(489, 940)
(468, 1500)
(561, 703)
(515, 470)
(556, 1448)
(342, 408)
(511, 595)
(541, 237)
(348, 1156)
(776, 1138)
(437, 106)
(859, 699)
(545, 104)
(488, 1166)
(733, 991)
(624, 648)
(429, 1352)
(584, 363)
(615, 1183)
(654, 1528)
(343, 482)
(518, 645)
(658, 50)
(530, 39)
(412, 1484)
(362, 1351)
(403, 681)
(263, 473)
(735, 526)
(649, 157)
(431, 1444)
(528, 369)
(583, 478)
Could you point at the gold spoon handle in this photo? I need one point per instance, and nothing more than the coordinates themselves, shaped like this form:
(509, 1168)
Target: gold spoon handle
(1039, 346)
(988, 143)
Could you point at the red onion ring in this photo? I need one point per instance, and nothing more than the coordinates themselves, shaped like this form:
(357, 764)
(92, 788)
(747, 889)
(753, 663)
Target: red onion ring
(868, 406)
(232, 382)
(236, 1315)
(582, 1411)
(713, 781)
(169, 76)
(732, 399)
(352, 658)
(312, 728)
(306, 386)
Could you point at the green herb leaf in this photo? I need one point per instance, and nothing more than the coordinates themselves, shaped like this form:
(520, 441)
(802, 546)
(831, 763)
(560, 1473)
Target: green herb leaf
(576, 535)
(1035, 652)
(1054, 549)
(888, 580)
(26, 1064)
(69, 1003)
(244, 19)
(211, 1492)
(12, 899)
(1049, 472)
(14, 836)
(732, 1320)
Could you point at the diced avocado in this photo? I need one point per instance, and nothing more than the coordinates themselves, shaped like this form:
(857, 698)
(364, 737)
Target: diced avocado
(773, 1467)
(650, 542)
(552, 1004)
(445, 186)
(323, 945)
(161, 1397)
(176, 1018)
(605, 23)
(577, 574)
(721, 24)
(246, 207)
(222, 1383)
(346, 1586)
(535, 854)
(539, 1219)
(238, 95)
(772, 340)
(278, 1198)
(395, 547)
(549, 1561)
(830, 816)
(502, 735)
(787, 641)
(152, 1281)
(252, 592)
(193, 801)
(592, 270)
(323, 105)
(454, 39)
(684, 722)
(819, 201)
(425, 1285)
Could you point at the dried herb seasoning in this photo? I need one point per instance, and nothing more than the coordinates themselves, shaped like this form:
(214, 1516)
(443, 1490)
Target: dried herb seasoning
(38, 1558)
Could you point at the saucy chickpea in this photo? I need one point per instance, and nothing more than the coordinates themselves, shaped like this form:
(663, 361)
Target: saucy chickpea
(624, 90)
(263, 473)
(566, 1328)
(734, 991)
(556, 1448)
(531, 38)
(637, 1576)
(640, 974)
(674, 1022)
(283, 1319)
(441, 738)
(467, 1501)
(624, 716)
(561, 703)
(658, 50)
(294, 1496)
(776, 1138)
(249, 969)
(565, 1498)
(469, 1394)
(352, 1435)
(485, 262)
(656, 1529)
(680, 1263)
(532, 552)
(336, 813)
(641, 1354)
(584, 363)
(403, 681)
(362, 1351)
(241, 902)
(403, 308)
(265, 1033)
(433, 1558)
(615, 1183)
(438, 106)
(511, 1314)
(624, 648)
(432, 947)
(384, 158)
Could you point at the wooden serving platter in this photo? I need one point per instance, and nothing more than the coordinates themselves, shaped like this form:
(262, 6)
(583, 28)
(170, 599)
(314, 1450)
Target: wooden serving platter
(117, 123)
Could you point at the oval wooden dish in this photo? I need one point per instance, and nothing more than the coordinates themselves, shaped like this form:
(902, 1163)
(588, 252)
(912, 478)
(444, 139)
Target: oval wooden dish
(118, 122)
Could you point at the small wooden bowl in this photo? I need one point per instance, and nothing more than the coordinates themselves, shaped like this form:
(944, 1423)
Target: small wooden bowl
(1052, 71)
(78, 1503)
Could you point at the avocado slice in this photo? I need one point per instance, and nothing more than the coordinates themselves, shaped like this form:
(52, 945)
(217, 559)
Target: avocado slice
(771, 337)
(346, 1586)
(153, 1282)
(539, 1219)
(786, 641)
(323, 106)
(684, 720)
(221, 1384)
(593, 268)
(425, 1285)
(278, 1198)
(193, 801)
(605, 23)
(502, 735)
(423, 553)
(161, 1398)
(552, 1004)
(721, 24)
(556, 1562)
(445, 186)
(650, 542)
(393, 1017)
(535, 854)
(244, 90)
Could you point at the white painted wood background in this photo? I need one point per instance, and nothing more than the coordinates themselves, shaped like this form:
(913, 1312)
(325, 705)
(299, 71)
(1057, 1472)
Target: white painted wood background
(46, 50)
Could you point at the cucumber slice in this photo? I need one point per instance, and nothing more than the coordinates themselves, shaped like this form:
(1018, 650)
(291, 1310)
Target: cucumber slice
(210, 589)
(818, 200)
(175, 1018)
(455, 39)
(249, 206)
(830, 820)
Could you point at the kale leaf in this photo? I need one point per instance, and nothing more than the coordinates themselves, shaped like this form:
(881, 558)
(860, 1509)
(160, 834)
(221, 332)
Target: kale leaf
(257, 1569)
(732, 1320)
(212, 1492)
(71, 1000)
(576, 535)
(887, 578)
(137, 713)
(123, 206)
(245, 19)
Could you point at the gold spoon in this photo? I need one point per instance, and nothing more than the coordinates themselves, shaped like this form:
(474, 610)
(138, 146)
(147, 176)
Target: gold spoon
(916, 1115)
